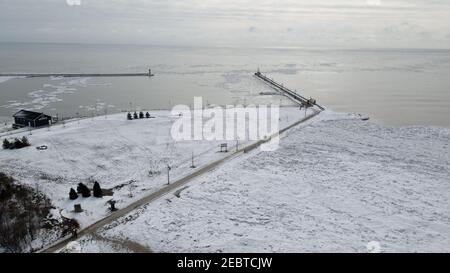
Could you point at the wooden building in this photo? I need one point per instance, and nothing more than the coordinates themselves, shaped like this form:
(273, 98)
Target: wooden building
(25, 118)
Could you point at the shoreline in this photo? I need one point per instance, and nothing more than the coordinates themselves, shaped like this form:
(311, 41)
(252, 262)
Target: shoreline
(7, 131)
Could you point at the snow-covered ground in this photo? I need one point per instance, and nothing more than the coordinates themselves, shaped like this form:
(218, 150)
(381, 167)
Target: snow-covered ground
(335, 184)
(129, 157)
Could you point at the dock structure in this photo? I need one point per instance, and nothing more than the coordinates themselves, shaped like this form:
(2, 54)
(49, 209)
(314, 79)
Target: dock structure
(294, 96)
(76, 75)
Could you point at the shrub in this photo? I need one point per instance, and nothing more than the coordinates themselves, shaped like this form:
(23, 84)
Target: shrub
(97, 190)
(25, 142)
(18, 144)
(6, 144)
(79, 187)
(73, 194)
(84, 190)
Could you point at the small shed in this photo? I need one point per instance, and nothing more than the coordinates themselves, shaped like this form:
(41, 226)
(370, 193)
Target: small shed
(25, 118)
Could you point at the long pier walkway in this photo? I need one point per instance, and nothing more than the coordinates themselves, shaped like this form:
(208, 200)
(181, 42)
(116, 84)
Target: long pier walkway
(77, 75)
(289, 93)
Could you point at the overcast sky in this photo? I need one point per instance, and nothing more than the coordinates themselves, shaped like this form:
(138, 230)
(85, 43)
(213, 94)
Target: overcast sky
(260, 23)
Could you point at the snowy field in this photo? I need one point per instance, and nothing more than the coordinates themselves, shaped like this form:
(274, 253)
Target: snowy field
(335, 184)
(128, 157)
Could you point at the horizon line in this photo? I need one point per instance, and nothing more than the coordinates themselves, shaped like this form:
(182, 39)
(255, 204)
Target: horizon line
(312, 47)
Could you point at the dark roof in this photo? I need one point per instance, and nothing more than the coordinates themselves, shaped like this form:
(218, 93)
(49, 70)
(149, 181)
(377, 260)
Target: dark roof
(27, 114)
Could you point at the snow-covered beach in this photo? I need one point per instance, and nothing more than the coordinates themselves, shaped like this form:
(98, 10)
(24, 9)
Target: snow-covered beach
(336, 184)
(128, 157)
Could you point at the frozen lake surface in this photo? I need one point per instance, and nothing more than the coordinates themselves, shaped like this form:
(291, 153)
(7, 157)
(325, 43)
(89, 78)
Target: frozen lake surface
(393, 87)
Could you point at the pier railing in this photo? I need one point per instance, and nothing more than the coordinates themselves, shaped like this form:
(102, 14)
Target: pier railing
(289, 93)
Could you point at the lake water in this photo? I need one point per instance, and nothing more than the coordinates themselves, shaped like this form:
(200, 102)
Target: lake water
(393, 87)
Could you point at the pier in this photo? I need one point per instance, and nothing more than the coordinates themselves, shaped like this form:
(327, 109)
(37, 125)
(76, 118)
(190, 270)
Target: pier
(294, 96)
(76, 75)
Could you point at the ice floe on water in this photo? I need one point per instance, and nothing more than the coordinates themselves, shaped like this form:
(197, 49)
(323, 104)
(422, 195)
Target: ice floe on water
(50, 93)
(98, 106)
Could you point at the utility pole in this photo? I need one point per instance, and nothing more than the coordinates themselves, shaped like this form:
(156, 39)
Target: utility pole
(192, 164)
(96, 107)
(131, 191)
(168, 174)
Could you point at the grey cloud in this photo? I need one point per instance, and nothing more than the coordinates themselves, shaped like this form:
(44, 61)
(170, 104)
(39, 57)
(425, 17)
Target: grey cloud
(348, 23)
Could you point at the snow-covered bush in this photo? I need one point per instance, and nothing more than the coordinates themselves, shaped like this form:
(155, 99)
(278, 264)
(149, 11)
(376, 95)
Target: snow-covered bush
(25, 142)
(73, 194)
(84, 190)
(16, 144)
(6, 144)
(97, 190)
